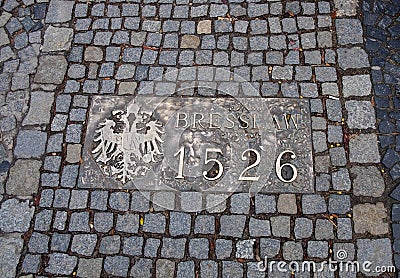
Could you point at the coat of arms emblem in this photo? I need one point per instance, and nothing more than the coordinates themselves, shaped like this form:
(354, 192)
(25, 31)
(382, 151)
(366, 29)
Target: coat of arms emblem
(127, 143)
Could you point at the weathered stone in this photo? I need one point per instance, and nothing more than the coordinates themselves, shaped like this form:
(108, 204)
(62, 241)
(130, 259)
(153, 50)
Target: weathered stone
(364, 149)
(368, 181)
(376, 251)
(93, 53)
(15, 216)
(190, 41)
(346, 7)
(28, 138)
(165, 268)
(59, 11)
(350, 58)
(370, 218)
(11, 247)
(73, 153)
(280, 226)
(88, 268)
(356, 85)
(292, 251)
(57, 39)
(24, 178)
(51, 69)
(360, 114)
(39, 108)
(61, 264)
(244, 249)
(287, 204)
(349, 31)
(204, 27)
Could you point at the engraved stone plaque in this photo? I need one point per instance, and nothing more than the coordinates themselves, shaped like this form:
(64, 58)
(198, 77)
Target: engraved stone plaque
(198, 144)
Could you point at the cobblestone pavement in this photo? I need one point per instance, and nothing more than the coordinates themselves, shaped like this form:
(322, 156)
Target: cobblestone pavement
(55, 56)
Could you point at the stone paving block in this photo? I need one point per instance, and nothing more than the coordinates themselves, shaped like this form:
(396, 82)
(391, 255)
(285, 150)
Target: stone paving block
(223, 248)
(57, 39)
(317, 249)
(287, 204)
(89, 267)
(60, 220)
(341, 180)
(232, 269)
(280, 226)
(352, 58)
(313, 204)
(60, 242)
(128, 223)
(31, 263)
(15, 215)
(24, 177)
(39, 110)
(59, 11)
(258, 227)
(323, 229)
(208, 268)
(103, 222)
(216, 203)
(142, 268)
(292, 251)
(303, 228)
(245, 249)
(356, 85)
(269, 247)
(84, 244)
(204, 224)
(191, 201)
(79, 222)
(179, 223)
(364, 149)
(361, 114)
(151, 247)
(43, 220)
(165, 268)
(133, 246)
(175, 248)
(98, 200)
(240, 203)
(110, 245)
(339, 204)
(232, 225)
(119, 201)
(61, 264)
(28, 138)
(11, 248)
(38, 243)
(377, 251)
(116, 265)
(370, 218)
(164, 200)
(58, 66)
(154, 223)
(349, 31)
(368, 181)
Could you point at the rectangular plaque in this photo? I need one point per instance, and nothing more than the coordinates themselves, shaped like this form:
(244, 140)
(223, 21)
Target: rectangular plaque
(198, 144)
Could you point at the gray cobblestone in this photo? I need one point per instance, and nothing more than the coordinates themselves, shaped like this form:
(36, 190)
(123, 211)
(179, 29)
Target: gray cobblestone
(60, 242)
(110, 245)
(323, 229)
(79, 222)
(127, 223)
(232, 225)
(84, 244)
(133, 246)
(103, 222)
(151, 247)
(61, 264)
(116, 265)
(199, 248)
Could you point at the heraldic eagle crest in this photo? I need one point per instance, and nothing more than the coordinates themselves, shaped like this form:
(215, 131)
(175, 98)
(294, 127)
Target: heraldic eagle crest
(126, 144)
